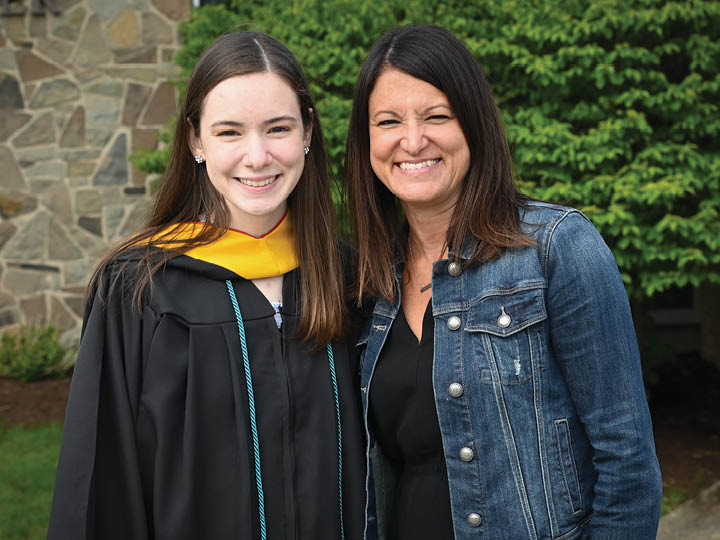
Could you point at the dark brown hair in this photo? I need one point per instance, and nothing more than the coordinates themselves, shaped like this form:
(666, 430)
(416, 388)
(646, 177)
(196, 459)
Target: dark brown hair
(487, 211)
(187, 194)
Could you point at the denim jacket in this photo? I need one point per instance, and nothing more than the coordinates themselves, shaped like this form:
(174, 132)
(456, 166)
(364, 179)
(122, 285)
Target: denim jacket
(538, 391)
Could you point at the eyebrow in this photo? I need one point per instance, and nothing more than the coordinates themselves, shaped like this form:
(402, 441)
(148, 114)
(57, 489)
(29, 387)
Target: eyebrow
(424, 111)
(274, 120)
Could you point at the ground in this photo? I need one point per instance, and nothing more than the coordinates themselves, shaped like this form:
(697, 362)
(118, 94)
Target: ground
(33, 403)
(685, 405)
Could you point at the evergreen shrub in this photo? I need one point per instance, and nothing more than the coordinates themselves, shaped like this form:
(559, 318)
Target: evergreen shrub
(33, 353)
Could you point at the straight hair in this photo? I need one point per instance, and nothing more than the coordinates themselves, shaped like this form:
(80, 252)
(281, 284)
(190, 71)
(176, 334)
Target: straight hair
(187, 194)
(487, 215)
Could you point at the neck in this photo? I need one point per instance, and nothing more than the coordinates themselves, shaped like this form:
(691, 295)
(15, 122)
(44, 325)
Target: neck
(258, 226)
(428, 233)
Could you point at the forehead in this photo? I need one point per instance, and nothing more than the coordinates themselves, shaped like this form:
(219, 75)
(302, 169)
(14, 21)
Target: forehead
(399, 91)
(253, 95)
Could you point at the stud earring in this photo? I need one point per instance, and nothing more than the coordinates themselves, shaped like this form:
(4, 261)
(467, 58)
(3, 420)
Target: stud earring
(198, 158)
(306, 150)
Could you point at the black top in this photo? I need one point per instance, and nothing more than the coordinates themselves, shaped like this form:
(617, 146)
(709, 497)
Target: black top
(405, 425)
(157, 441)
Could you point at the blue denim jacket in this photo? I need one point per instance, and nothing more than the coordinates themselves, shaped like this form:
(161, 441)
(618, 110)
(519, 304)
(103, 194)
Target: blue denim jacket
(538, 390)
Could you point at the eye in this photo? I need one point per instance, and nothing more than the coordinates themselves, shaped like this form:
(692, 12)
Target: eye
(228, 133)
(387, 123)
(279, 129)
(438, 118)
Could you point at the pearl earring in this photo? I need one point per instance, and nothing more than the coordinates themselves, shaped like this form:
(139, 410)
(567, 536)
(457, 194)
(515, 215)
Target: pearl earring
(306, 150)
(198, 158)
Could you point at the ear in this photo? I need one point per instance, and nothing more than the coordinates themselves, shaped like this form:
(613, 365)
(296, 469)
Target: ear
(307, 138)
(193, 140)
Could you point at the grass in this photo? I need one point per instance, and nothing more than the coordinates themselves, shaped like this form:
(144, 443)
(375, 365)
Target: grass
(673, 496)
(28, 458)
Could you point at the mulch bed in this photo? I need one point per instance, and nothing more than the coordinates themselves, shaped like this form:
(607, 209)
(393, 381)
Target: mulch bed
(33, 403)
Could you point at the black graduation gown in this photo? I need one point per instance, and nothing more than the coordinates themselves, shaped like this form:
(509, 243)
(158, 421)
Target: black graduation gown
(157, 441)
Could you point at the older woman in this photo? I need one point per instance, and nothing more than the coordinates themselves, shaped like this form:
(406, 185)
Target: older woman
(501, 378)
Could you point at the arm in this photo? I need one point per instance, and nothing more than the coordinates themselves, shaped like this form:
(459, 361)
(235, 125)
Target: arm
(593, 338)
(98, 491)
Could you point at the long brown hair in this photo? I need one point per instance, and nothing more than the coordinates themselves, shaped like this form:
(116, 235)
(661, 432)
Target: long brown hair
(187, 194)
(487, 211)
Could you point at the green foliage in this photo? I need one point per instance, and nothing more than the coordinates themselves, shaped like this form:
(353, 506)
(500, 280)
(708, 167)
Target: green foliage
(28, 458)
(155, 161)
(611, 106)
(673, 496)
(32, 354)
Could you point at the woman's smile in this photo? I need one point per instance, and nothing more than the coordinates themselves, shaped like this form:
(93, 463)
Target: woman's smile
(258, 181)
(415, 167)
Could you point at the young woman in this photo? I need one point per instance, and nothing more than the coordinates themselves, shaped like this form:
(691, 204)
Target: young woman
(501, 377)
(211, 397)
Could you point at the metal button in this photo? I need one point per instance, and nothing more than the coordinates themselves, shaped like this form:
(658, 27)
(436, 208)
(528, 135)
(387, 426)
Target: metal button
(466, 454)
(474, 520)
(454, 269)
(455, 389)
(504, 319)
(454, 322)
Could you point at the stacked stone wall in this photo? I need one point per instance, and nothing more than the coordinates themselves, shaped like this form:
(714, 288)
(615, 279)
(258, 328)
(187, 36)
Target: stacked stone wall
(79, 92)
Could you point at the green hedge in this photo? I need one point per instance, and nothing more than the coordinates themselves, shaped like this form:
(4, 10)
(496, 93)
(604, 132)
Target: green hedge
(611, 106)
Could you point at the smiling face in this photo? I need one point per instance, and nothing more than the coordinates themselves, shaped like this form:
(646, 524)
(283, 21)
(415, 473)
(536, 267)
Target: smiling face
(417, 148)
(252, 138)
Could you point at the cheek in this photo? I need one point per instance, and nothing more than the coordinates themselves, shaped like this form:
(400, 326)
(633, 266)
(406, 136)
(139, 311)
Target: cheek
(220, 157)
(376, 165)
(380, 148)
(292, 159)
(460, 151)
(289, 153)
(381, 158)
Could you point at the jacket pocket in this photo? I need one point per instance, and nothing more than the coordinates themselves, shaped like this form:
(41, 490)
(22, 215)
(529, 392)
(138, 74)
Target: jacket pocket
(508, 340)
(567, 463)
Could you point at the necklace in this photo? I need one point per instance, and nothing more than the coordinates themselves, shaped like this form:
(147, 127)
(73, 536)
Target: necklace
(428, 285)
(425, 287)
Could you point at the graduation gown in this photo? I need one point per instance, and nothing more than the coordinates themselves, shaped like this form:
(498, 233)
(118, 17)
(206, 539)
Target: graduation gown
(157, 442)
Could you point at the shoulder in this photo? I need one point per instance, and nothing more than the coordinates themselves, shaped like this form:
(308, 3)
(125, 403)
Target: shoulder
(118, 275)
(541, 216)
(547, 222)
(562, 231)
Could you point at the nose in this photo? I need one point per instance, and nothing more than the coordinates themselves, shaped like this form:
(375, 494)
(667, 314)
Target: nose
(414, 139)
(256, 154)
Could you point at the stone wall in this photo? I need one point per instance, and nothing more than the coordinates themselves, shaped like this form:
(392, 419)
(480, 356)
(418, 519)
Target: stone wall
(79, 92)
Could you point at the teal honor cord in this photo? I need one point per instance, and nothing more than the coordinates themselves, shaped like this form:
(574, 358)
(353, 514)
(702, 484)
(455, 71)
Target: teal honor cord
(253, 421)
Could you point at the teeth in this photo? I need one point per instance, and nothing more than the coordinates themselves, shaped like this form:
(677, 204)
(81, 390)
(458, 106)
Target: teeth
(259, 183)
(415, 166)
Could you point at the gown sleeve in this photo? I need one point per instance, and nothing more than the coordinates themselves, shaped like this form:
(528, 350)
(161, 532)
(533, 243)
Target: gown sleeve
(98, 488)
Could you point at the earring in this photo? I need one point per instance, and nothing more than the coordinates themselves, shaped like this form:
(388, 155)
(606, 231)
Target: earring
(306, 150)
(198, 158)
